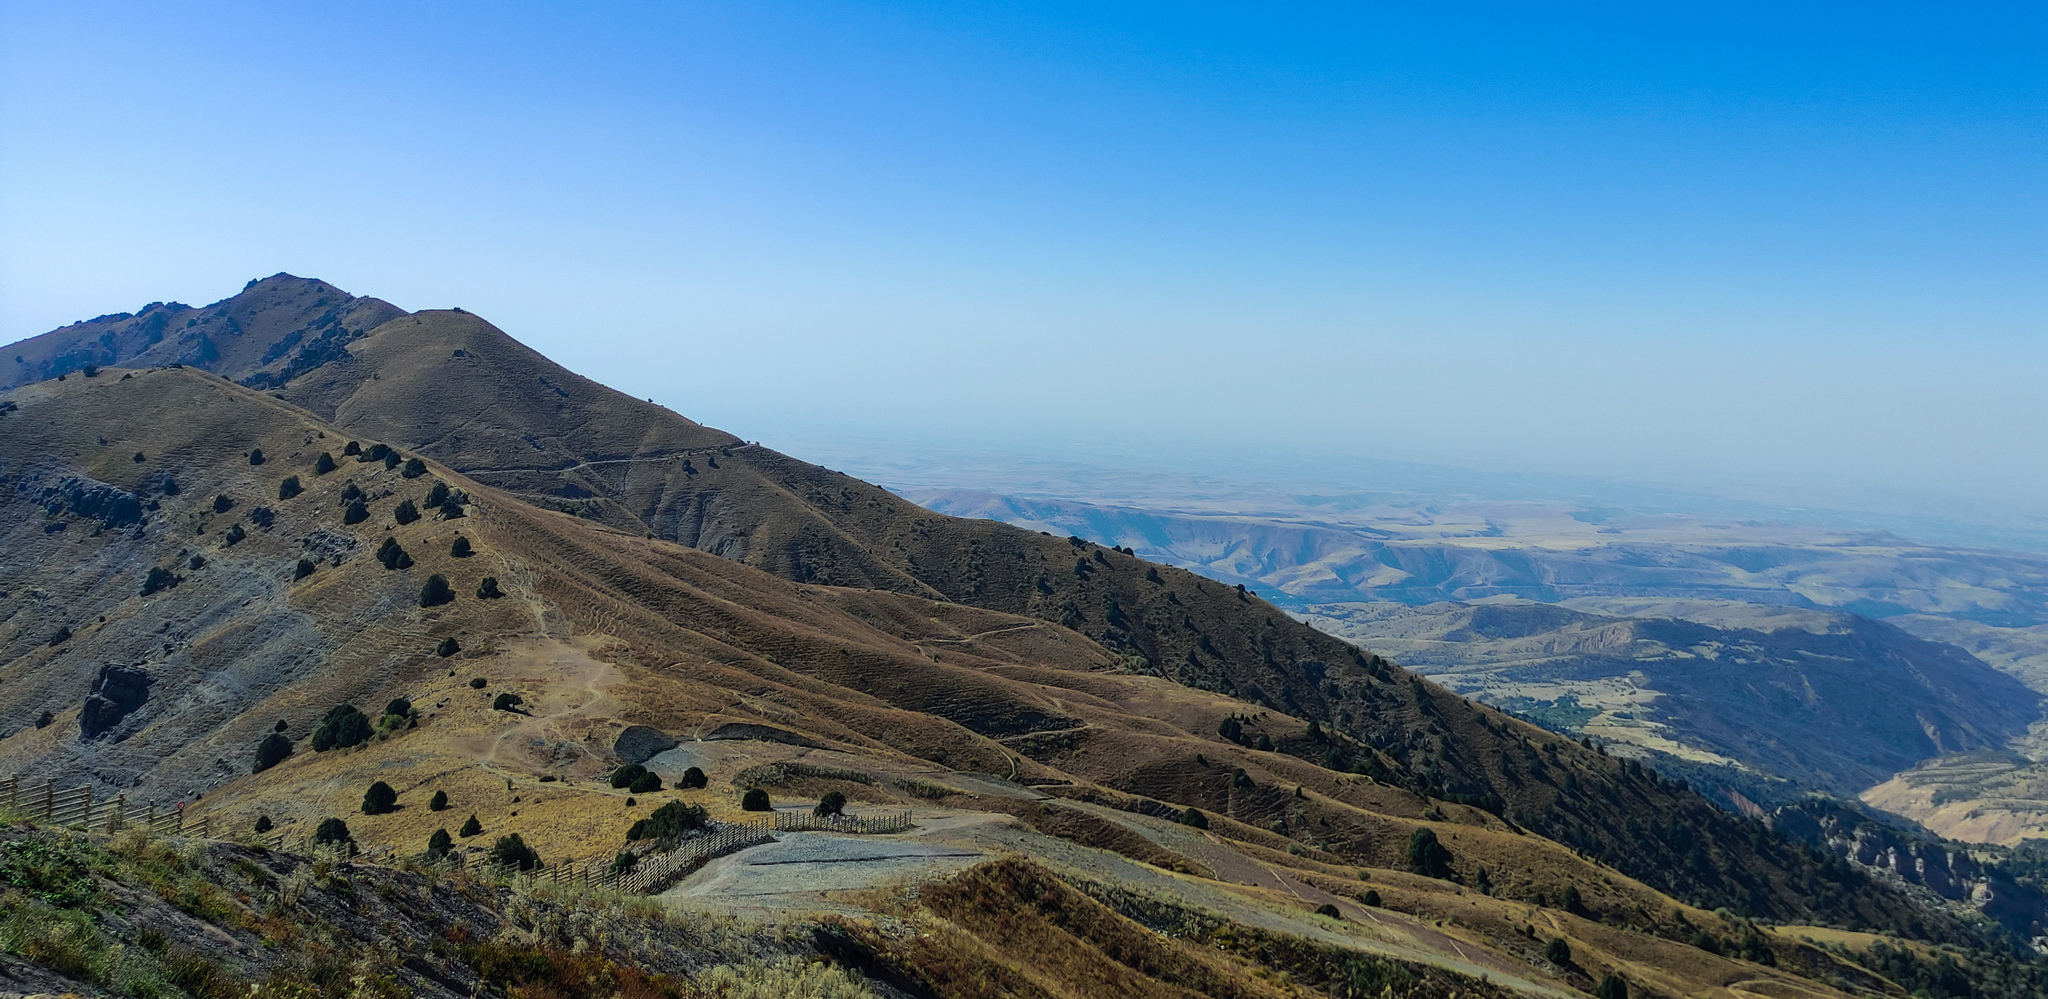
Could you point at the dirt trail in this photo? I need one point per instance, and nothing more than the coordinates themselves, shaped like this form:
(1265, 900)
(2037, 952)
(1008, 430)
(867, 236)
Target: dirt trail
(575, 687)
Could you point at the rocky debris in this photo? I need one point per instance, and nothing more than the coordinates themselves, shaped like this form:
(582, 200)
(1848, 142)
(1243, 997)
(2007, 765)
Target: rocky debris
(765, 733)
(110, 505)
(639, 743)
(116, 694)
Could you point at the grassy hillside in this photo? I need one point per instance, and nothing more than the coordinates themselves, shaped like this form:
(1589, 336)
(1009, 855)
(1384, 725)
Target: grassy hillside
(190, 577)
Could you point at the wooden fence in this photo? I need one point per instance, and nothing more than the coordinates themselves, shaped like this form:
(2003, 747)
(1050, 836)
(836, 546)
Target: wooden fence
(75, 808)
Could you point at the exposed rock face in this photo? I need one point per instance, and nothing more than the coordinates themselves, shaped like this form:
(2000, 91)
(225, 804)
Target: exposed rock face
(638, 743)
(766, 733)
(1915, 858)
(90, 500)
(115, 695)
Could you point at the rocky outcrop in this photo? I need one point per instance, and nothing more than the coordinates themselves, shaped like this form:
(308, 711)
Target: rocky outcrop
(116, 694)
(638, 744)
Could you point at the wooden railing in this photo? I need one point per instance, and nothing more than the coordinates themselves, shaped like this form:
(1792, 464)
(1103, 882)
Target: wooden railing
(75, 807)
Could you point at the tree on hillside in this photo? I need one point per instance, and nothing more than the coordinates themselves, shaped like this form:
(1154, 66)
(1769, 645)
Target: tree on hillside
(342, 727)
(256, 457)
(668, 823)
(323, 464)
(1428, 857)
(448, 647)
(507, 701)
(436, 592)
(263, 824)
(511, 851)
(694, 777)
(438, 494)
(647, 783)
(624, 776)
(414, 468)
(351, 492)
(440, 844)
(380, 799)
(756, 800)
(159, 579)
(289, 487)
(1193, 816)
(439, 802)
(1612, 986)
(832, 804)
(273, 750)
(334, 832)
(393, 555)
(302, 570)
(488, 589)
(356, 512)
(471, 827)
(405, 513)
(351, 450)
(460, 549)
(1558, 953)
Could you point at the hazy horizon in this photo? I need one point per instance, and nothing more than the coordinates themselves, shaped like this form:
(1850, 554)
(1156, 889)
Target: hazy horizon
(1788, 259)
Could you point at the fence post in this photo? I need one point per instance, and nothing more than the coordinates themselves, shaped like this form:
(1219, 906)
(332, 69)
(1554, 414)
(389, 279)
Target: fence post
(49, 799)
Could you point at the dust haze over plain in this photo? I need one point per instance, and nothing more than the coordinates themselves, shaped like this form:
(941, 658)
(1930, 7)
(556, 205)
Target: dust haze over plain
(1784, 259)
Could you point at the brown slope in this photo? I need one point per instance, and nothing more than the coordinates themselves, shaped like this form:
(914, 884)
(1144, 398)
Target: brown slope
(473, 398)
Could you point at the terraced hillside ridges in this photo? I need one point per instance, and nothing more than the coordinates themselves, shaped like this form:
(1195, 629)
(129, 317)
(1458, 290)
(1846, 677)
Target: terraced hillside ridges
(470, 398)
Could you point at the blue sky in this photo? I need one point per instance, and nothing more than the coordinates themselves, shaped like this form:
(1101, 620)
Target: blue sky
(1791, 252)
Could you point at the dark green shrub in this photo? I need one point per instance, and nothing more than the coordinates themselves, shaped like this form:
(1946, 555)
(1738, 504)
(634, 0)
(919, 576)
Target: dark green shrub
(440, 844)
(833, 803)
(511, 851)
(460, 549)
(1230, 728)
(414, 468)
(1238, 778)
(1193, 816)
(1371, 897)
(436, 592)
(351, 450)
(375, 452)
(399, 706)
(625, 862)
(323, 464)
(668, 823)
(646, 783)
(342, 727)
(452, 510)
(405, 512)
(1265, 743)
(273, 750)
(478, 683)
(1574, 904)
(289, 487)
(351, 492)
(380, 799)
(507, 701)
(1558, 953)
(197, 562)
(159, 579)
(256, 457)
(437, 494)
(263, 824)
(393, 555)
(756, 800)
(60, 636)
(234, 536)
(391, 460)
(624, 776)
(448, 647)
(302, 570)
(1427, 857)
(333, 832)
(263, 517)
(1612, 986)
(355, 512)
(488, 589)
(439, 803)
(1326, 909)
(693, 777)
(471, 827)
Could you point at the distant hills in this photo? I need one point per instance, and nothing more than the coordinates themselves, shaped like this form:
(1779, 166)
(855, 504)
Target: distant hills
(1832, 701)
